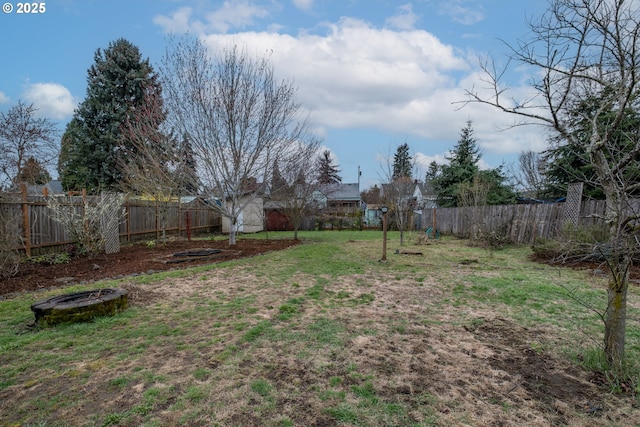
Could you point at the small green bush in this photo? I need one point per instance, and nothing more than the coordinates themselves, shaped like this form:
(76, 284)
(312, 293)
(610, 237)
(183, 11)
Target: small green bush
(52, 259)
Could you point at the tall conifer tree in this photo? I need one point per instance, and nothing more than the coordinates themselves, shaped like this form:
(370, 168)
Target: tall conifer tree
(328, 173)
(118, 82)
(402, 163)
(463, 172)
(188, 181)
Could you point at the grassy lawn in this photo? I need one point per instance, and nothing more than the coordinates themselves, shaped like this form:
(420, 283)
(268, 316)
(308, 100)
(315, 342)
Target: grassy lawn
(325, 334)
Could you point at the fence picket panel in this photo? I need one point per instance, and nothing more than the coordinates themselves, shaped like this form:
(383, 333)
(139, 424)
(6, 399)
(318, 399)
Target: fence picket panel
(46, 235)
(524, 223)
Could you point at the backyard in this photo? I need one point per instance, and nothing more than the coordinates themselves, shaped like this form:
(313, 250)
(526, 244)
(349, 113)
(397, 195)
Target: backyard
(323, 333)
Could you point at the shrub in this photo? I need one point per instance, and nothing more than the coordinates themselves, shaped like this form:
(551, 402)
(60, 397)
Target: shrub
(494, 239)
(573, 244)
(85, 221)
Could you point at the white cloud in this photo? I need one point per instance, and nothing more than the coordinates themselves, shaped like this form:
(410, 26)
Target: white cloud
(354, 75)
(237, 14)
(178, 22)
(460, 13)
(405, 19)
(231, 15)
(53, 100)
(4, 98)
(303, 4)
(424, 160)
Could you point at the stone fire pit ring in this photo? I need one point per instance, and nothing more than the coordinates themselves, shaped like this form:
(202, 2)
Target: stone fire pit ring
(80, 306)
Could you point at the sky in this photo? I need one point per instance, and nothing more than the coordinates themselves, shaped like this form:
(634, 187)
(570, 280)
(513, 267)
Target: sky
(373, 74)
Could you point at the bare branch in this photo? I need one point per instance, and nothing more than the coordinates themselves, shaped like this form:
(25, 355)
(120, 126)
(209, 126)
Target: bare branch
(585, 53)
(238, 117)
(24, 136)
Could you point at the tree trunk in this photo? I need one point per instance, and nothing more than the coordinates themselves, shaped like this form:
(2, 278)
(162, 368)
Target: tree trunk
(233, 225)
(618, 257)
(616, 315)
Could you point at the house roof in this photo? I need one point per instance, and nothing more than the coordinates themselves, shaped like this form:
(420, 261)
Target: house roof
(399, 188)
(53, 187)
(426, 188)
(343, 192)
(410, 188)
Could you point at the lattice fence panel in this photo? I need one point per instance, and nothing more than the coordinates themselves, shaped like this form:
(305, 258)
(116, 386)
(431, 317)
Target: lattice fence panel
(573, 203)
(111, 230)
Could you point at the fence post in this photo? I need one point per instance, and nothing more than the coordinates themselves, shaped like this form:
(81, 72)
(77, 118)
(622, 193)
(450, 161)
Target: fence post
(25, 219)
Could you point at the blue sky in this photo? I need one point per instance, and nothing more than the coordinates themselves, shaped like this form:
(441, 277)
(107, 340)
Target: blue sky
(372, 73)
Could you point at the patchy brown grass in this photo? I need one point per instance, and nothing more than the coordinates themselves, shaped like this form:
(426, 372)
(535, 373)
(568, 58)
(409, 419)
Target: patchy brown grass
(376, 348)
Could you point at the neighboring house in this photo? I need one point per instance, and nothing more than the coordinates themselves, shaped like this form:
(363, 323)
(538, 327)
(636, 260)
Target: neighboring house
(425, 196)
(413, 197)
(420, 195)
(50, 188)
(372, 216)
(329, 204)
(339, 198)
(54, 187)
(340, 205)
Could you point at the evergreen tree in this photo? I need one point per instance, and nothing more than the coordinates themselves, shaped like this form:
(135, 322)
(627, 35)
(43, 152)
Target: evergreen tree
(568, 161)
(118, 82)
(432, 171)
(462, 173)
(402, 163)
(328, 173)
(498, 192)
(188, 181)
(462, 167)
(278, 183)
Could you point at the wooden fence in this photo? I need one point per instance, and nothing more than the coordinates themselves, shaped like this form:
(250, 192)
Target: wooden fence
(143, 220)
(523, 223)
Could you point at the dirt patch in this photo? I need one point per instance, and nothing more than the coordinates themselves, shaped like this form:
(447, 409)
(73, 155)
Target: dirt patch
(558, 388)
(131, 260)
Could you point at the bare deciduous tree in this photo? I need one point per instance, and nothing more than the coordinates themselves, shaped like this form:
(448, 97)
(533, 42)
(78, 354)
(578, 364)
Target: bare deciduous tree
(149, 163)
(237, 115)
(588, 50)
(298, 172)
(24, 136)
(397, 193)
(528, 176)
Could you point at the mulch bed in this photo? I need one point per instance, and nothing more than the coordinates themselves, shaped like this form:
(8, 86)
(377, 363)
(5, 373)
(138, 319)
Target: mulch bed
(131, 260)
